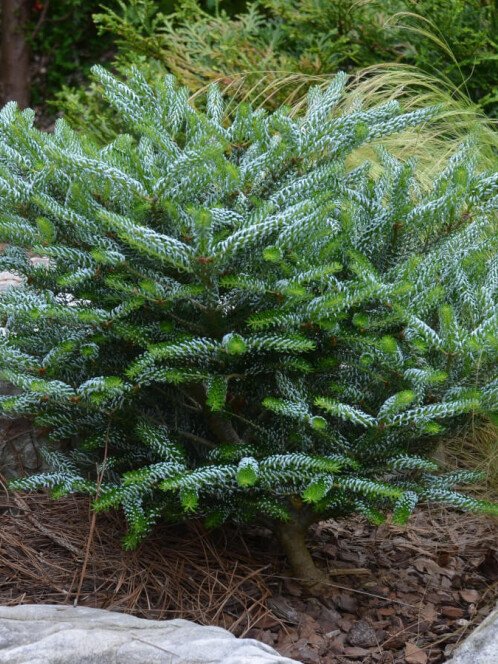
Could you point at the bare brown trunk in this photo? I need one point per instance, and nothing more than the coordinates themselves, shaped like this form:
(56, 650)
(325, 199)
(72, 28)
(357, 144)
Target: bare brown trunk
(292, 536)
(14, 70)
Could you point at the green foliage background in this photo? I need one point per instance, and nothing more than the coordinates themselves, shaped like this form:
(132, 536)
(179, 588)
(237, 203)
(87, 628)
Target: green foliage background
(272, 50)
(64, 43)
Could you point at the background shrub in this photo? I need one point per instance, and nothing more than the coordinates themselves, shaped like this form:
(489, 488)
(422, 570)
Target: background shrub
(272, 51)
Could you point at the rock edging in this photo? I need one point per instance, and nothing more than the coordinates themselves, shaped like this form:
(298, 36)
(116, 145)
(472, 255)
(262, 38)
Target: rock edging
(52, 634)
(481, 647)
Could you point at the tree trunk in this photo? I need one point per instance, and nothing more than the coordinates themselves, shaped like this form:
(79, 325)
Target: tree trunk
(292, 536)
(14, 70)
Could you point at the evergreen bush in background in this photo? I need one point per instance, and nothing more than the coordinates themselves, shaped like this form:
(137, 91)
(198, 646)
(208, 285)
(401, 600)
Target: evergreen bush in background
(234, 323)
(271, 51)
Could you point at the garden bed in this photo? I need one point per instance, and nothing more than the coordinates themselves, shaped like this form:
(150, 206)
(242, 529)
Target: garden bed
(424, 587)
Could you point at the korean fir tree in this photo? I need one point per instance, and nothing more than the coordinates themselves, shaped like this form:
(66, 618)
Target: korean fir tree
(234, 324)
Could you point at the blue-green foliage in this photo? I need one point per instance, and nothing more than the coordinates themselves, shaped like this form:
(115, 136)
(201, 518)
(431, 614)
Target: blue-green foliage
(245, 325)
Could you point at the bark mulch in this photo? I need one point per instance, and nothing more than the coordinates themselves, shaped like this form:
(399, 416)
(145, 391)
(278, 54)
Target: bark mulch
(423, 588)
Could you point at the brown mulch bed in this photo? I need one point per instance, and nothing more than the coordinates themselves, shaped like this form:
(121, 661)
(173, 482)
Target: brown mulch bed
(425, 586)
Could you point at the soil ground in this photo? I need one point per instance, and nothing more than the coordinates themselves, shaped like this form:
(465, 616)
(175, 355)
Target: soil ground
(423, 587)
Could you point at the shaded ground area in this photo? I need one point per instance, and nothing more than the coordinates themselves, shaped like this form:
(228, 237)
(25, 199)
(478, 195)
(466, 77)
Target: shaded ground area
(423, 589)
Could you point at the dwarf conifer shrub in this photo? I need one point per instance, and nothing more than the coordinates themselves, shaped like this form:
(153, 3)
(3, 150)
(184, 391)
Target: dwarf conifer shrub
(232, 323)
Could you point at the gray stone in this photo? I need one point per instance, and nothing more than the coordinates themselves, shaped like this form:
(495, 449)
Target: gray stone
(362, 634)
(49, 634)
(20, 444)
(481, 647)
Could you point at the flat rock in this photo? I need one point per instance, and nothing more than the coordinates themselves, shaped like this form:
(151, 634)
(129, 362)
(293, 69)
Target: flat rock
(481, 647)
(50, 634)
(12, 280)
(9, 279)
(362, 635)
